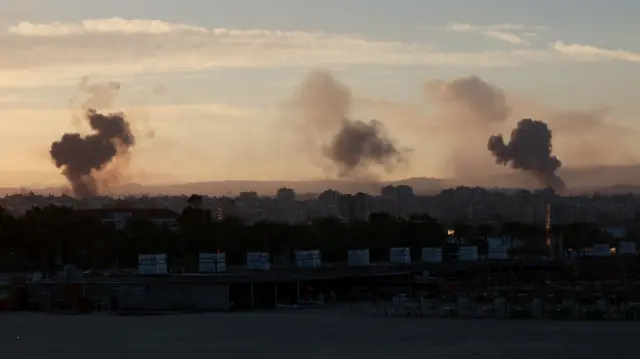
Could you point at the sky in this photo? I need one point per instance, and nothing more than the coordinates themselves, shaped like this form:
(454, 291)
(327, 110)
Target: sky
(212, 79)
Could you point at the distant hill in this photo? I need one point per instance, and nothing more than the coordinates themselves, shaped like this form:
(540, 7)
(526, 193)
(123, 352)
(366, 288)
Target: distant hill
(271, 187)
(602, 176)
(604, 179)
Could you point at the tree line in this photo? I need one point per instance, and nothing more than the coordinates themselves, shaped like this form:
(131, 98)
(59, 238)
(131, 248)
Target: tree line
(46, 238)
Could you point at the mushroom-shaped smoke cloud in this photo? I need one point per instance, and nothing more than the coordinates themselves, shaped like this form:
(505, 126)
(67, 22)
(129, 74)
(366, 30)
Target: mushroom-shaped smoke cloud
(81, 156)
(529, 149)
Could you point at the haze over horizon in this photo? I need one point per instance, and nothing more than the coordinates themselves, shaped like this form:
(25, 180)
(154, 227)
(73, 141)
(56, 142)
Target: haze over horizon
(208, 86)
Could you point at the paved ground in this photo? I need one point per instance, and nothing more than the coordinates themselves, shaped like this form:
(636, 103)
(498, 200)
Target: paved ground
(307, 334)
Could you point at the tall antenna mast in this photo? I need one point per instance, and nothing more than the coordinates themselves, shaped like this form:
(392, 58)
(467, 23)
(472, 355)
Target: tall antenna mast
(547, 225)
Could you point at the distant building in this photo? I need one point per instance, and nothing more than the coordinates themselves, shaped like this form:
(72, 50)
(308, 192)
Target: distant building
(401, 191)
(286, 195)
(474, 205)
(327, 205)
(248, 197)
(356, 207)
(399, 201)
(249, 207)
(224, 208)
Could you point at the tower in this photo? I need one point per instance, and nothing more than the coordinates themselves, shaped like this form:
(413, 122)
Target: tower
(547, 225)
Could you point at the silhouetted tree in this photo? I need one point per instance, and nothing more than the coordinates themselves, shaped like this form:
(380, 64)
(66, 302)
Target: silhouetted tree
(46, 238)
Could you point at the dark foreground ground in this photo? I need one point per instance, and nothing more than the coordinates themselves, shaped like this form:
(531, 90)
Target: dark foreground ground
(320, 333)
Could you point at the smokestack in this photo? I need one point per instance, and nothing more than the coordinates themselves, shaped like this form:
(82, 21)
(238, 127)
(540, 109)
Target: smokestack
(529, 149)
(80, 158)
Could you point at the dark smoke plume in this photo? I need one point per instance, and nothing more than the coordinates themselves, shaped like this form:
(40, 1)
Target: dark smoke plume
(529, 149)
(359, 143)
(81, 156)
(323, 104)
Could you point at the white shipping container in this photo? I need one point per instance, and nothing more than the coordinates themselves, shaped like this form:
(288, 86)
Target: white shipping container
(358, 258)
(258, 261)
(601, 250)
(400, 255)
(497, 252)
(212, 262)
(627, 248)
(468, 253)
(308, 259)
(152, 264)
(431, 255)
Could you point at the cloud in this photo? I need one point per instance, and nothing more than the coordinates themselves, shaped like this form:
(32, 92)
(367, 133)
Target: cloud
(107, 26)
(503, 32)
(458, 27)
(210, 109)
(9, 99)
(506, 36)
(592, 53)
(53, 54)
(37, 54)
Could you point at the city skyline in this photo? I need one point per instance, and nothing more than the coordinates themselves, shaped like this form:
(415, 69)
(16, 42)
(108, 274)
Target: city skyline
(210, 78)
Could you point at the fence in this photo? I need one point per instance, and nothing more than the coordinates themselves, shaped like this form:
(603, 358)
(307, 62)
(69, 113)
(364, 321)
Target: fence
(505, 306)
(128, 297)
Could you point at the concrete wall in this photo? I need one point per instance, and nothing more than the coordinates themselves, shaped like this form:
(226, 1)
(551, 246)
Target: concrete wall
(142, 296)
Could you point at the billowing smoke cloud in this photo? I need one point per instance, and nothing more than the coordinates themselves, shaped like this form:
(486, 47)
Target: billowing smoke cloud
(529, 149)
(81, 157)
(322, 101)
(468, 111)
(324, 106)
(359, 143)
(472, 98)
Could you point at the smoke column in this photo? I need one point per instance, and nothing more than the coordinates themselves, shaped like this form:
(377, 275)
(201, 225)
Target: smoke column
(322, 102)
(92, 96)
(468, 110)
(480, 101)
(324, 105)
(80, 157)
(529, 149)
(359, 143)
(98, 95)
